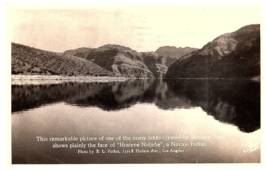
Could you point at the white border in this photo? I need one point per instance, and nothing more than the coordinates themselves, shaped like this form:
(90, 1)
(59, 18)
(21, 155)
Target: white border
(5, 97)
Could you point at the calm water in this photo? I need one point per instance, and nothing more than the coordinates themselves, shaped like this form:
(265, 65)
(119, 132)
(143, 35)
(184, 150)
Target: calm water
(227, 109)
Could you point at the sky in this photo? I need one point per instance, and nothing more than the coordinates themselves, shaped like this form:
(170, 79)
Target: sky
(140, 27)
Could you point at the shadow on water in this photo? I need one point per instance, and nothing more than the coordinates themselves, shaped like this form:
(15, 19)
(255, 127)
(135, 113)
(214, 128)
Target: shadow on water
(229, 101)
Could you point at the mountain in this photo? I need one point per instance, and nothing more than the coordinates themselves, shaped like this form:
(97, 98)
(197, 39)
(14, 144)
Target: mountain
(231, 55)
(120, 60)
(155, 63)
(78, 50)
(127, 62)
(32, 61)
(107, 60)
(159, 61)
(173, 53)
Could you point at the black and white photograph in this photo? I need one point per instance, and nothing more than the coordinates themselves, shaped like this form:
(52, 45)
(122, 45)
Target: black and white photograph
(135, 84)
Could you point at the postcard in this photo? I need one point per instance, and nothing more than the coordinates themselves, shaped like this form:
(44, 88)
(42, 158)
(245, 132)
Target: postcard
(135, 84)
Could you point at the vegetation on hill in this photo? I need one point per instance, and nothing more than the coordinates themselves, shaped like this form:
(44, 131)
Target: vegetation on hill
(32, 61)
(230, 55)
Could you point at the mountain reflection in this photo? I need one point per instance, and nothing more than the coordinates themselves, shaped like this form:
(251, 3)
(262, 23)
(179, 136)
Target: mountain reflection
(229, 101)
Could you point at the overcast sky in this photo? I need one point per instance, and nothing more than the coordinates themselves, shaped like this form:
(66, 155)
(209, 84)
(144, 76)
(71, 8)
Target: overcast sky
(142, 28)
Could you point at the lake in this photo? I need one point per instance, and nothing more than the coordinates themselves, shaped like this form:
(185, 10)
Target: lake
(137, 121)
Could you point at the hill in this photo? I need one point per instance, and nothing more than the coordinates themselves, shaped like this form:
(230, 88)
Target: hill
(32, 61)
(173, 53)
(120, 60)
(231, 55)
(155, 63)
(78, 50)
(129, 63)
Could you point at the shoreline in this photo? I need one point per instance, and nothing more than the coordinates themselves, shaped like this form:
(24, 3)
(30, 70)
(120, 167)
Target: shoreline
(55, 79)
(45, 79)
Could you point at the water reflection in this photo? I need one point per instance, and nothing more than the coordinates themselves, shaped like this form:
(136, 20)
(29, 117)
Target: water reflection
(235, 102)
(231, 101)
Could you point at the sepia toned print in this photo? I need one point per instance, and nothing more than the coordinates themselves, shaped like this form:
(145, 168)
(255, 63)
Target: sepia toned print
(136, 84)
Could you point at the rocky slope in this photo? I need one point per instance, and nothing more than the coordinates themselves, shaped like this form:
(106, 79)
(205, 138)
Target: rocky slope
(107, 60)
(173, 53)
(127, 62)
(78, 50)
(231, 55)
(32, 61)
(120, 60)
(157, 64)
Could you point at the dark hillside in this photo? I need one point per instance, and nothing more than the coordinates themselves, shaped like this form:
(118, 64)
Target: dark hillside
(32, 61)
(231, 55)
